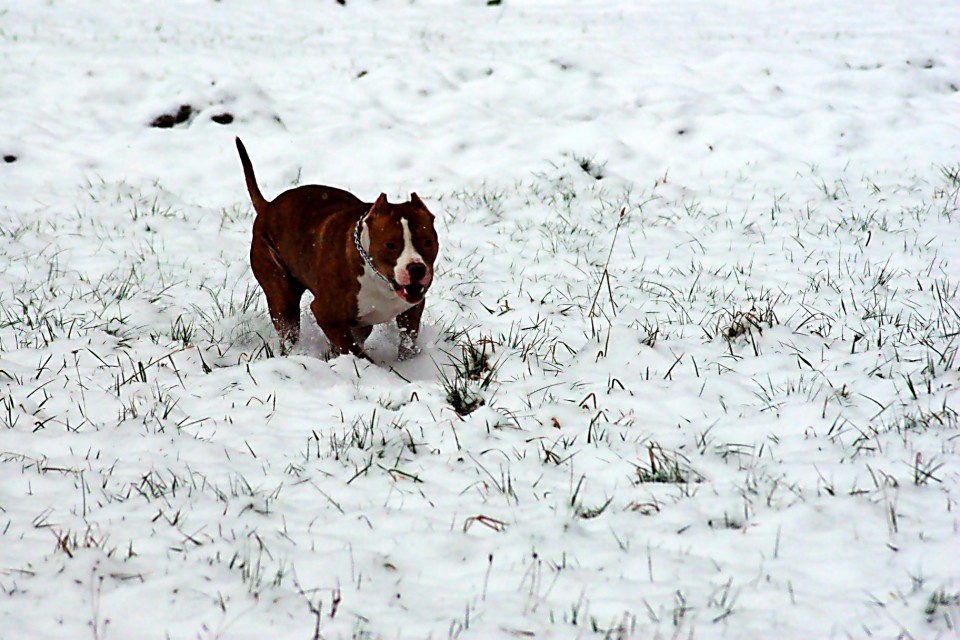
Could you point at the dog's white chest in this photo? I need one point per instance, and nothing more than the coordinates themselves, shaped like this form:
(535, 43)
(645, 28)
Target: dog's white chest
(377, 302)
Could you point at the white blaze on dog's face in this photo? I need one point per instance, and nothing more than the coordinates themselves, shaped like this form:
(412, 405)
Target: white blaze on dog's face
(402, 243)
(411, 267)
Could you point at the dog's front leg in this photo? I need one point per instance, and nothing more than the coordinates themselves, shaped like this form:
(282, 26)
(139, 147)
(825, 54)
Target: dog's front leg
(409, 324)
(339, 333)
(342, 339)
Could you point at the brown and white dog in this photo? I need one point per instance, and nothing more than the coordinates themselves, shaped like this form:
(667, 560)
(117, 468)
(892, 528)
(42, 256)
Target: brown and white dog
(365, 264)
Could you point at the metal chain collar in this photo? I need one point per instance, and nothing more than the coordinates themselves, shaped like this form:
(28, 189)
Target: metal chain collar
(367, 260)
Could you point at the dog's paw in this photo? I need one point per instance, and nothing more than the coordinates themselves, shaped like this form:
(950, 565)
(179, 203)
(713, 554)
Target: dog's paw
(408, 352)
(408, 347)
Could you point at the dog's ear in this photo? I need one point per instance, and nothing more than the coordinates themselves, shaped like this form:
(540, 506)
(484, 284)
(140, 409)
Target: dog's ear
(416, 201)
(379, 206)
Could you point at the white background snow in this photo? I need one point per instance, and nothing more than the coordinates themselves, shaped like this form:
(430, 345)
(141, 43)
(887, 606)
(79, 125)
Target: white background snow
(734, 416)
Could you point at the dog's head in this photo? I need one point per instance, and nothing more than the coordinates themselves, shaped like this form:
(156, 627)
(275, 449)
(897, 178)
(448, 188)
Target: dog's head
(403, 245)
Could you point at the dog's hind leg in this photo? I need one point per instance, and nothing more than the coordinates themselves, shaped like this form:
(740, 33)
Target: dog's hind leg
(283, 293)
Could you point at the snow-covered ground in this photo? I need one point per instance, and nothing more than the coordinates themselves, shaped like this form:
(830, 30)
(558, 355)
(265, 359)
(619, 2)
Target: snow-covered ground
(728, 411)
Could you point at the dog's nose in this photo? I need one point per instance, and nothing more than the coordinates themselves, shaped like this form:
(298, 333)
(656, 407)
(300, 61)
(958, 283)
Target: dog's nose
(417, 270)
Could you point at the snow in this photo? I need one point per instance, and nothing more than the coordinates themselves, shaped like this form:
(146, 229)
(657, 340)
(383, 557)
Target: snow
(729, 411)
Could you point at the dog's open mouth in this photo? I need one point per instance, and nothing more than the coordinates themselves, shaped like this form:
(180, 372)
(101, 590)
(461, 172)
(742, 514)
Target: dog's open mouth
(410, 292)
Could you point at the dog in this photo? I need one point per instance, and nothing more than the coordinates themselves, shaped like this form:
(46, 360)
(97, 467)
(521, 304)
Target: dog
(364, 263)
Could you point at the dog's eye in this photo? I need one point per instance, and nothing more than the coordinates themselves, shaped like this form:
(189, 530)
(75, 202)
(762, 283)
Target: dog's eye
(392, 246)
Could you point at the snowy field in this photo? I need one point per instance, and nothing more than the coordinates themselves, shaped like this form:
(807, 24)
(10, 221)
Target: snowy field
(690, 363)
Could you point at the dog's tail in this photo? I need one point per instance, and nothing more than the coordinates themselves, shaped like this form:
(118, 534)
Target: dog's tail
(259, 202)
